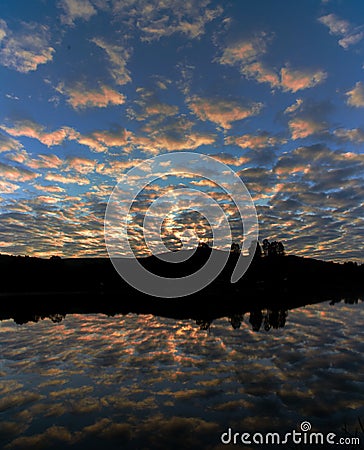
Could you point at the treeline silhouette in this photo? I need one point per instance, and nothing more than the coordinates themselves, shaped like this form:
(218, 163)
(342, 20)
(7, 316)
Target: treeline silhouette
(32, 287)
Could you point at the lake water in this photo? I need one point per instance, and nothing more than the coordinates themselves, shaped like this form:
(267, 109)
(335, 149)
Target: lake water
(145, 382)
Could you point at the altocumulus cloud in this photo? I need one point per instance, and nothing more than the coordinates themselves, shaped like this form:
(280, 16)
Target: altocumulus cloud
(25, 49)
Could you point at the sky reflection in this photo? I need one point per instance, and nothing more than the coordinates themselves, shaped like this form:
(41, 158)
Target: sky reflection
(144, 381)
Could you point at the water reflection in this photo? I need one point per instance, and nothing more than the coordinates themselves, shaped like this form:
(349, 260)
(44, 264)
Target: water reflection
(275, 319)
(141, 381)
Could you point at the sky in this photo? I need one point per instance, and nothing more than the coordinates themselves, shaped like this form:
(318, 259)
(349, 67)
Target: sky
(89, 88)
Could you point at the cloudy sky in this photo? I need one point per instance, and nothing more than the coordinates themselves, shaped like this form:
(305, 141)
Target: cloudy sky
(91, 87)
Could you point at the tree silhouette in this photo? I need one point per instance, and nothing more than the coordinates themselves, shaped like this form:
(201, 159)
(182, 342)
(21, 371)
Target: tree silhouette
(266, 246)
(255, 249)
(275, 248)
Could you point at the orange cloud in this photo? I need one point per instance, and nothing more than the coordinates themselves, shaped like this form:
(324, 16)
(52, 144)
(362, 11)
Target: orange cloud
(255, 141)
(231, 160)
(31, 129)
(58, 178)
(50, 189)
(222, 112)
(290, 169)
(76, 9)
(244, 51)
(203, 183)
(355, 135)
(92, 143)
(25, 51)
(46, 199)
(294, 107)
(261, 74)
(161, 108)
(247, 54)
(167, 141)
(188, 142)
(16, 173)
(350, 35)
(151, 20)
(81, 165)
(356, 95)
(80, 97)
(295, 80)
(44, 161)
(8, 144)
(118, 57)
(6, 187)
(302, 128)
(116, 168)
(112, 139)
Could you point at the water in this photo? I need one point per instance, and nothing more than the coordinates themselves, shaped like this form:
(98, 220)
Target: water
(145, 382)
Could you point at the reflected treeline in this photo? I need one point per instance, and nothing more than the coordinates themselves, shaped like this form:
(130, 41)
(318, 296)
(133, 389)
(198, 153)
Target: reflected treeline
(268, 319)
(264, 318)
(352, 300)
(22, 318)
(259, 319)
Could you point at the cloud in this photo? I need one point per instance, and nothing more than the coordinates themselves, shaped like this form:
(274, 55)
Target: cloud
(25, 50)
(50, 188)
(355, 135)
(28, 128)
(301, 128)
(335, 24)
(3, 29)
(261, 74)
(66, 179)
(118, 57)
(222, 112)
(76, 9)
(18, 399)
(148, 106)
(356, 95)
(247, 56)
(294, 107)
(350, 35)
(7, 144)
(45, 162)
(80, 97)
(295, 80)
(230, 160)
(116, 168)
(8, 188)
(100, 141)
(168, 140)
(48, 161)
(155, 21)
(92, 143)
(244, 51)
(16, 173)
(81, 165)
(51, 437)
(117, 138)
(255, 142)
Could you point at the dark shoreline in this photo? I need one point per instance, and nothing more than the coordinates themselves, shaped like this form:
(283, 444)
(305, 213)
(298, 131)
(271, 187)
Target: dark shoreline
(23, 308)
(34, 287)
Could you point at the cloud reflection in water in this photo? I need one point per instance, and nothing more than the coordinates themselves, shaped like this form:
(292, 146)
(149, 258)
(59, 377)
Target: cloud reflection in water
(133, 381)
